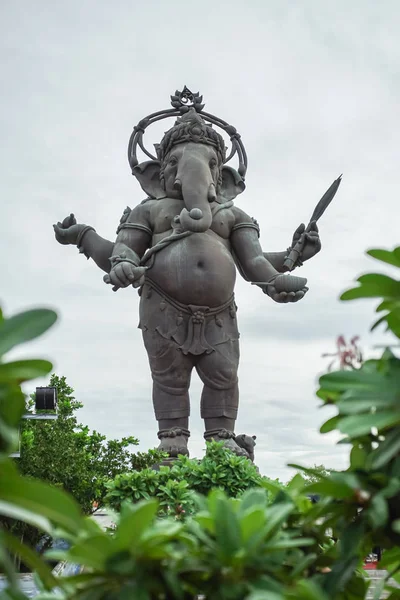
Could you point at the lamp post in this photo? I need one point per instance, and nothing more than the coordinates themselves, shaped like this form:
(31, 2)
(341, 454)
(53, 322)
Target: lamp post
(45, 400)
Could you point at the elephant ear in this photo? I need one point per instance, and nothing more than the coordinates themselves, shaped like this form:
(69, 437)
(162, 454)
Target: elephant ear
(148, 175)
(232, 184)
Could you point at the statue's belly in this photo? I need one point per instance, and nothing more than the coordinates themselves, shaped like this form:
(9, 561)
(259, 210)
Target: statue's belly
(198, 270)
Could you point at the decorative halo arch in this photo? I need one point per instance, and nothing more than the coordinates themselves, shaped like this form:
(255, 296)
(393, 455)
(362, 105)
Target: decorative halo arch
(181, 102)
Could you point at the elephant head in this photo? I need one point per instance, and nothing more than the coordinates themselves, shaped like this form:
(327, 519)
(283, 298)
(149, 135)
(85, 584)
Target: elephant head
(190, 167)
(247, 442)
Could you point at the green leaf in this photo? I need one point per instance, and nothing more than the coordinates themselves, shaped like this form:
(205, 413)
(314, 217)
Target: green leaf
(271, 486)
(373, 285)
(387, 256)
(6, 565)
(393, 321)
(357, 587)
(266, 583)
(253, 498)
(303, 564)
(92, 552)
(12, 407)
(25, 515)
(134, 520)
(376, 398)
(276, 515)
(40, 499)
(205, 520)
(342, 381)
(160, 532)
(381, 320)
(265, 595)
(386, 451)
(395, 467)
(328, 396)
(388, 305)
(378, 511)
(24, 370)
(24, 326)
(358, 457)
(227, 529)
(308, 590)
(30, 558)
(174, 584)
(396, 527)
(289, 544)
(328, 487)
(330, 425)
(251, 522)
(360, 425)
(296, 484)
(351, 538)
(390, 557)
(340, 575)
(56, 555)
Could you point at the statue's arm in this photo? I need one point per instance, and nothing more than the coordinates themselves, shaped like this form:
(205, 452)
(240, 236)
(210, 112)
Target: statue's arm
(254, 265)
(306, 240)
(89, 243)
(135, 231)
(277, 259)
(98, 249)
(134, 237)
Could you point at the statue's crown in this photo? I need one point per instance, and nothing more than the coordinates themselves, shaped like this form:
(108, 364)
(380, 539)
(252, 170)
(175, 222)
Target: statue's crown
(191, 126)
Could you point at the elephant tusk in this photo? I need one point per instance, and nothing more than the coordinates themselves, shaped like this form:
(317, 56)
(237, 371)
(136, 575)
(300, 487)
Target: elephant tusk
(195, 220)
(212, 193)
(196, 214)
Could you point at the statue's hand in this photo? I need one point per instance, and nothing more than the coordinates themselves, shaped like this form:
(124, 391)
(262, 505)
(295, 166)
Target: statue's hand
(68, 231)
(286, 288)
(311, 241)
(125, 273)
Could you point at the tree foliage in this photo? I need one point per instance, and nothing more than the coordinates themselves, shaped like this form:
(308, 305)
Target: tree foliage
(315, 473)
(69, 455)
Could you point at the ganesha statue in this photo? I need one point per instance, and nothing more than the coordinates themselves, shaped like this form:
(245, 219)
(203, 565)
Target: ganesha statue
(181, 247)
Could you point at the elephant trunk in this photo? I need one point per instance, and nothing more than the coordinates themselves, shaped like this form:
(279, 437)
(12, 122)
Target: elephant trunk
(195, 181)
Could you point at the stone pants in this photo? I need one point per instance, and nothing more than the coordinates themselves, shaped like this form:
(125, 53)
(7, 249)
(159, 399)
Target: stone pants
(178, 339)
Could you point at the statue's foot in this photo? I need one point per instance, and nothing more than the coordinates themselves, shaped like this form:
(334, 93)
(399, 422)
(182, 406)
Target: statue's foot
(174, 441)
(228, 437)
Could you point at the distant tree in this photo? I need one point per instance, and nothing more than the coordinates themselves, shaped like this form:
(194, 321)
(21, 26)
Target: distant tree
(67, 454)
(315, 474)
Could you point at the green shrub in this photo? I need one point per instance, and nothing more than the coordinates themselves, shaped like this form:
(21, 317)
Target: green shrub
(175, 487)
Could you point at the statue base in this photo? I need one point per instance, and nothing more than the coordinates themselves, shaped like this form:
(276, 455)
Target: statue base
(167, 462)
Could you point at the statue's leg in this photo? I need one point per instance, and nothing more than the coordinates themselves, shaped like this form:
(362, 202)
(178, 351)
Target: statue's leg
(171, 372)
(220, 396)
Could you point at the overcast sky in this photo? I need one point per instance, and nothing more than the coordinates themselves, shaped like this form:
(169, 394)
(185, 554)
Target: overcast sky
(312, 86)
